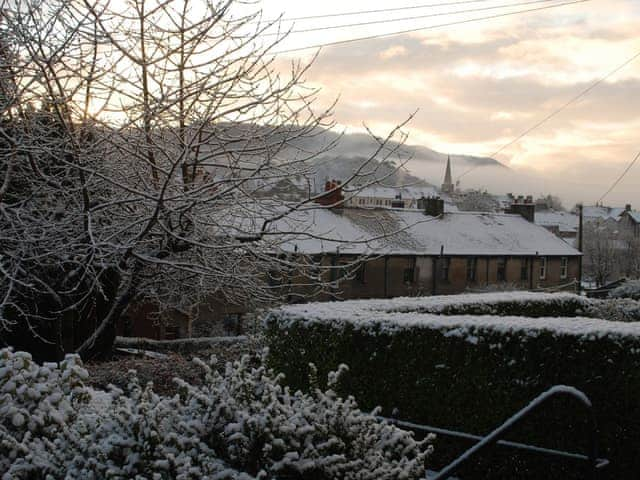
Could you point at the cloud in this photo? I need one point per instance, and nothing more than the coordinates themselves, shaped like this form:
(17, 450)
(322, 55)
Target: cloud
(477, 86)
(394, 51)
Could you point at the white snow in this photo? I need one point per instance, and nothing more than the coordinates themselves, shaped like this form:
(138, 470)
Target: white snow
(594, 212)
(422, 312)
(411, 232)
(239, 419)
(565, 221)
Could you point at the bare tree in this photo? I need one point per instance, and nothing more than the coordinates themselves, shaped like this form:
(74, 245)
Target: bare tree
(145, 132)
(602, 252)
(477, 201)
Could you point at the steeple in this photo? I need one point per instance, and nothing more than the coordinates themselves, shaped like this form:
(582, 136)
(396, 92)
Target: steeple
(447, 186)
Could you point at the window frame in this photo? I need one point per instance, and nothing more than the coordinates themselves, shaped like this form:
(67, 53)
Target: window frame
(543, 268)
(524, 269)
(564, 267)
(445, 267)
(501, 266)
(360, 273)
(472, 268)
(409, 276)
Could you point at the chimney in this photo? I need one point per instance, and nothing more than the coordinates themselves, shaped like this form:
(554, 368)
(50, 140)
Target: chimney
(627, 207)
(333, 196)
(397, 202)
(433, 206)
(524, 207)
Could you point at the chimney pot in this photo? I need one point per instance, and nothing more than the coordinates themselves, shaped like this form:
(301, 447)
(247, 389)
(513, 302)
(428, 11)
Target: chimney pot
(526, 210)
(433, 206)
(333, 197)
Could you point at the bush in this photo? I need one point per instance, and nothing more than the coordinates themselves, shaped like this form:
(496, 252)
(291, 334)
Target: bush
(471, 373)
(239, 424)
(529, 304)
(629, 289)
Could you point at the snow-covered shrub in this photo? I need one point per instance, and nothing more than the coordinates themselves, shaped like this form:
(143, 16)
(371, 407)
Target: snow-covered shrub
(472, 372)
(629, 289)
(37, 400)
(239, 424)
(521, 303)
(615, 309)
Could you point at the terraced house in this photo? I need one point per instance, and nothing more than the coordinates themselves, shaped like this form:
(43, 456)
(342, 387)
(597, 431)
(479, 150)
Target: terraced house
(390, 252)
(429, 252)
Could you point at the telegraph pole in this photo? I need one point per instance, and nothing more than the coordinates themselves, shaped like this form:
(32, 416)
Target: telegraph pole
(580, 244)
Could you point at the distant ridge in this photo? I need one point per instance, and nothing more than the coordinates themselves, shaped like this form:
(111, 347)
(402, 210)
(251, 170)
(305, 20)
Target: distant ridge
(353, 149)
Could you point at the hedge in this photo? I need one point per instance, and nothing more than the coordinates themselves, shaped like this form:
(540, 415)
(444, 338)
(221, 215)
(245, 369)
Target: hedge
(470, 373)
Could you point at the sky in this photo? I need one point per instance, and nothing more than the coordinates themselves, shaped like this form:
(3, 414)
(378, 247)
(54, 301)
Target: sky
(476, 86)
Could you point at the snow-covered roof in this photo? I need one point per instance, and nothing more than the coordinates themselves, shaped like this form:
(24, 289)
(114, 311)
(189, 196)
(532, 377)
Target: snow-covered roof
(597, 211)
(380, 191)
(635, 215)
(411, 232)
(565, 221)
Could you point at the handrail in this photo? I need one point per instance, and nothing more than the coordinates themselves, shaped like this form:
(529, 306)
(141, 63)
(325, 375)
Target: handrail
(509, 424)
(503, 443)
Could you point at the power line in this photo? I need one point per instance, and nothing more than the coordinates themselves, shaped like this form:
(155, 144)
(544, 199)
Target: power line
(615, 184)
(364, 12)
(430, 27)
(558, 110)
(404, 19)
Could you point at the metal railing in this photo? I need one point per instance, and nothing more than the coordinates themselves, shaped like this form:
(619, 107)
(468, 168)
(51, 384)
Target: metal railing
(495, 437)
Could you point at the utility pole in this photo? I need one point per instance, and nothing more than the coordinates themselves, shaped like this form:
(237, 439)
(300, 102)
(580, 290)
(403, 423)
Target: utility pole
(580, 244)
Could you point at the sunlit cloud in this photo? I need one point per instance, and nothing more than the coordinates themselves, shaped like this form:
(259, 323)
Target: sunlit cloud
(395, 51)
(477, 86)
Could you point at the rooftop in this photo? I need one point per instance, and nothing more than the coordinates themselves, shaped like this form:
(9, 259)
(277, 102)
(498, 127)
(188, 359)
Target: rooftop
(411, 232)
(565, 221)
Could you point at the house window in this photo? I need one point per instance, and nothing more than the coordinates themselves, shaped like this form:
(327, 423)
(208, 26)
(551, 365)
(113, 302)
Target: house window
(360, 273)
(564, 267)
(472, 263)
(524, 269)
(502, 270)
(445, 264)
(232, 323)
(408, 275)
(315, 268)
(543, 268)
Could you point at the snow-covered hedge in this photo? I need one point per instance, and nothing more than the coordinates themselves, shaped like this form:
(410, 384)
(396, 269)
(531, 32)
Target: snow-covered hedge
(240, 424)
(471, 372)
(521, 303)
(629, 289)
(531, 304)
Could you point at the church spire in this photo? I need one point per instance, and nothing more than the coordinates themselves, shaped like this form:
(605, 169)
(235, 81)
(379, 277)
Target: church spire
(447, 186)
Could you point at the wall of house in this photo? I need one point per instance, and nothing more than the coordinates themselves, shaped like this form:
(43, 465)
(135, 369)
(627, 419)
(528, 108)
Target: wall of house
(422, 283)
(390, 276)
(143, 321)
(216, 318)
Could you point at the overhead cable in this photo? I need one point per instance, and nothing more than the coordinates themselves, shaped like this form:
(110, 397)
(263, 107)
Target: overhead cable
(404, 19)
(619, 179)
(430, 27)
(366, 12)
(561, 108)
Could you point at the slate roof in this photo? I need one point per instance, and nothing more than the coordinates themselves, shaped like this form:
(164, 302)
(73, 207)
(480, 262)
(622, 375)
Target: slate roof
(411, 232)
(565, 221)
